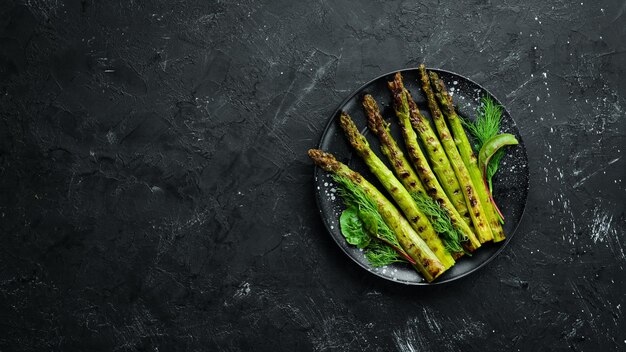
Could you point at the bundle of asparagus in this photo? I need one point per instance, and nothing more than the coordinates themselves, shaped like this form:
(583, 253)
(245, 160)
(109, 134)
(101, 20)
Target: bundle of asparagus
(445, 198)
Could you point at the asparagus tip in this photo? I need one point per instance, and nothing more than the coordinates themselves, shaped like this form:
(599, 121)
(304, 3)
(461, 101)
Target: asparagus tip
(344, 118)
(397, 79)
(397, 89)
(423, 74)
(324, 160)
(433, 75)
(369, 103)
(374, 119)
(352, 132)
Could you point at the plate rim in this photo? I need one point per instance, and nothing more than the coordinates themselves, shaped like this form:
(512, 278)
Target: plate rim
(424, 282)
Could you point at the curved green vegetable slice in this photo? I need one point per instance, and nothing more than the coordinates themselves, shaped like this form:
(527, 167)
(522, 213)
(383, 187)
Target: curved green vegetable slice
(487, 151)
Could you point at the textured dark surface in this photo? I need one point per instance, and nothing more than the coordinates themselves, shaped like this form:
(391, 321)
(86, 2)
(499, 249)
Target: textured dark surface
(156, 193)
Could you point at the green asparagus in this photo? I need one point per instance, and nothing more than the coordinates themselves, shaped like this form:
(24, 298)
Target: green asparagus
(427, 262)
(467, 155)
(417, 219)
(438, 159)
(430, 182)
(479, 219)
(451, 237)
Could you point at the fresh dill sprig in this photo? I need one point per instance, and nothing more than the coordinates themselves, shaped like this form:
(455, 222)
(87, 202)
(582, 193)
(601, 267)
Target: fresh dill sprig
(485, 127)
(380, 254)
(441, 222)
(487, 123)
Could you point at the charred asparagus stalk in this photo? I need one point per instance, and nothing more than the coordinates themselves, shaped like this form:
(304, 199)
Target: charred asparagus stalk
(427, 262)
(479, 219)
(467, 155)
(416, 217)
(438, 159)
(449, 233)
(428, 178)
(390, 148)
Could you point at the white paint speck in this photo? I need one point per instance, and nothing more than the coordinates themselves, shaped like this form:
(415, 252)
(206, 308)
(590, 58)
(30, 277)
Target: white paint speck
(243, 290)
(111, 137)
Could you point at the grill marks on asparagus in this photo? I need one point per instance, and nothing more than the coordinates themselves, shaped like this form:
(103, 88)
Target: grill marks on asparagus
(417, 219)
(447, 232)
(468, 156)
(440, 163)
(427, 176)
(427, 262)
(390, 148)
(477, 214)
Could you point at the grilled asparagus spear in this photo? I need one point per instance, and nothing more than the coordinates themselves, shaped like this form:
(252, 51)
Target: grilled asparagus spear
(469, 159)
(390, 148)
(481, 225)
(448, 232)
(438, 159)
(427, 262)
(429, 180)
(416, 217)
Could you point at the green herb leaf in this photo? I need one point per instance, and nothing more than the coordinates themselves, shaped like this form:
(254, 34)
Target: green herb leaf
(380, 254)
(441, 222)
(352, 228)
(370, 222)
(487, 123)
(493, 166)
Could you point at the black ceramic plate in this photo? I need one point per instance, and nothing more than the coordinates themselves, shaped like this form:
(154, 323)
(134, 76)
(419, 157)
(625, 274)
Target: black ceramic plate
(510, 183)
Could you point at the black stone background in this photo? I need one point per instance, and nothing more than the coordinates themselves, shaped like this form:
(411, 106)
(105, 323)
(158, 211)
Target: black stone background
(156, 193)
